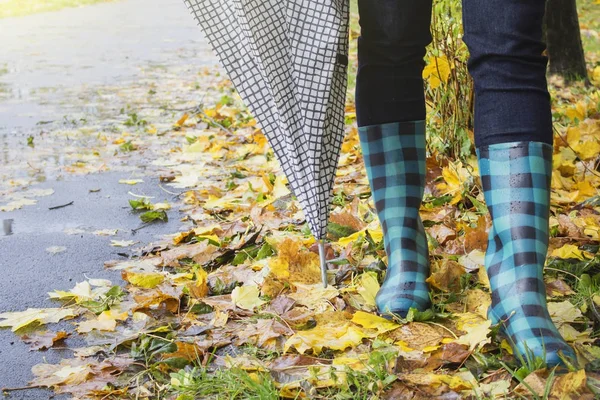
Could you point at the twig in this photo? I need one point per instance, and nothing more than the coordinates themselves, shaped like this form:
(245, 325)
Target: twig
(173, 193)
(443, 327)
(61, 206)
(135, 230)
(21, 388)
(563, 272)
(34, 168)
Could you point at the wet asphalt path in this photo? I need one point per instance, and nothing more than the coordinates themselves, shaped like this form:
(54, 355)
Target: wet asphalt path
(40, 56)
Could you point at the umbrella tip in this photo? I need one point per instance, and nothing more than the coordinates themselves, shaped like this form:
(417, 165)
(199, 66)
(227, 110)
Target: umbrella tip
(321, 244)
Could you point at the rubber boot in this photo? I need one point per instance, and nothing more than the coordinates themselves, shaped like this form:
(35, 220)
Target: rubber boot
(394, 155)
(516, 183)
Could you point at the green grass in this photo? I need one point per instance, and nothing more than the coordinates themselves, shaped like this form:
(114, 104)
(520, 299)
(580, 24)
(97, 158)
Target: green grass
(17, 8)
(589, 17)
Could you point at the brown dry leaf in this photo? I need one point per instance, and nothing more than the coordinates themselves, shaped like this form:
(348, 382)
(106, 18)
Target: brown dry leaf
(453, 353)
(263, 331)
(454, 382)
(441, 233)
(77, 376)
(476, 238)
(189, 351)
(200, 252)
(348, 219)
(418, 336)
(199, 288)
(558, 288)
(44, 340)
(570, 386)
(568, 228)
(446, 275)
(162, 297)
(399, 390)
(68, 372)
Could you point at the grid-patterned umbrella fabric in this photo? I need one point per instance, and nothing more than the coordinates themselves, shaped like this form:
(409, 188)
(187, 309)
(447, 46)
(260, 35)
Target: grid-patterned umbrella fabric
(288, 61)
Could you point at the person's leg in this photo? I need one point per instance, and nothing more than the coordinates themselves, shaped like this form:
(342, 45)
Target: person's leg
(513, 136)
(390, 108)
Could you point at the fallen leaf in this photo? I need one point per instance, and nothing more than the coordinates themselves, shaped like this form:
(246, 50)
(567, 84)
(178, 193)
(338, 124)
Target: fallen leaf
(106, 321)
(143, 280)
(315, 297)
(367, 286)
(246, 297)
(17, 204)
(43, 340)
(122, 243)
(18, 320)
(334, 335)
(56, 249)
(446, 275)
(130, 181)
(106, 232)
(372, 321)
(477, 330)
(563, 312)
(436, 71)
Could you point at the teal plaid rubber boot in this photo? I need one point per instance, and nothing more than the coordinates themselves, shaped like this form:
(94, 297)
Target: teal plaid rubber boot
(395, 157)
(516, 183)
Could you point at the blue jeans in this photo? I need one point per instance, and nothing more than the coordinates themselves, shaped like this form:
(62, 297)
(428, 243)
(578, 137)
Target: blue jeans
(507, 64)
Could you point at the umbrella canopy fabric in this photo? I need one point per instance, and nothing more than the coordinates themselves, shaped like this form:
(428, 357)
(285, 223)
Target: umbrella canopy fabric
(288, 60)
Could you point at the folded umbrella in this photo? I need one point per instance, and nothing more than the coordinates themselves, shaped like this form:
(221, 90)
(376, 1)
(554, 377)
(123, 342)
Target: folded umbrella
(288, 61)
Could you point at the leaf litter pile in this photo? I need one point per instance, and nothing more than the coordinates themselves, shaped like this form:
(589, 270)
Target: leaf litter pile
(232, 306)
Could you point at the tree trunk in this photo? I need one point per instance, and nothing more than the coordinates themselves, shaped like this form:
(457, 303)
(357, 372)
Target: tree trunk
(563, 39)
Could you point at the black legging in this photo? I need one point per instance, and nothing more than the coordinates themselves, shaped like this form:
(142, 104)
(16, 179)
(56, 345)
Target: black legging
(504, 38)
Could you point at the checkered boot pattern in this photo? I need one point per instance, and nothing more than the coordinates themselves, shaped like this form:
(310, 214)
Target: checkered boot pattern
(516, 183)
(394, 156)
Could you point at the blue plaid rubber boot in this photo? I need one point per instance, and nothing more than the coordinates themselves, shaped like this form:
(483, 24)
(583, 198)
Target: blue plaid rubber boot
(516, 183)
(394, 155)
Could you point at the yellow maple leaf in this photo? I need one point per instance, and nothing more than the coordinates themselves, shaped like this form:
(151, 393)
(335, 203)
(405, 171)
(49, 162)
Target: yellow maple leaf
(279, 267)
(367, 286)
(81, 292)
(246, 297)
(376, 234)
(315, 296)
(372, 321)
(295, 263)
(587, 149)
(437, 71)
(477, 329)
(577, 112)
(143, 280)
(455, 175)
(596, 71)
(335, 335)
(568, 251)
(106, 321)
